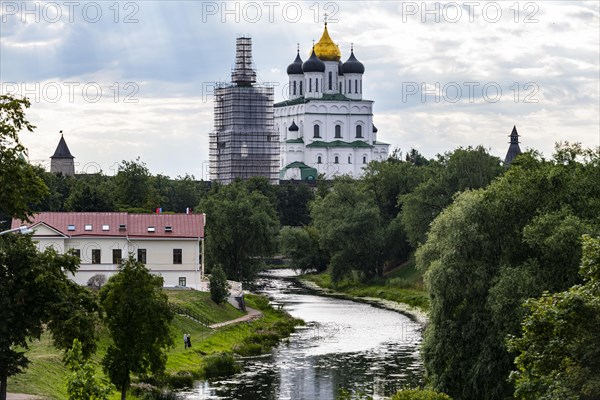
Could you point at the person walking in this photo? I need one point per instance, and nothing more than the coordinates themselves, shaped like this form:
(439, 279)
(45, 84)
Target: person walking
(189, 340)
(185, 341)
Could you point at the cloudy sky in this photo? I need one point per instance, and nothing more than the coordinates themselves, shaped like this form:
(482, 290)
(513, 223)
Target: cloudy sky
(135, 78)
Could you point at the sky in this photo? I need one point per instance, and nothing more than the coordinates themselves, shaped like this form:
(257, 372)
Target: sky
(133, 79)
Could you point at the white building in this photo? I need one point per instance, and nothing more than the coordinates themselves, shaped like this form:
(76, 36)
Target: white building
(326, 127)
(170, 245)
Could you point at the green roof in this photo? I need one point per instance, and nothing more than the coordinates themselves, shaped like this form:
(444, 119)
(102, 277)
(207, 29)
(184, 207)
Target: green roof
(326, 97)
(339, 143)
(299, 140)
(380, 143)
(306, 172)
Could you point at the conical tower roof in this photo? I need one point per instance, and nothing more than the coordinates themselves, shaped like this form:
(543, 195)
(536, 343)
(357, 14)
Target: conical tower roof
(62, 150)
(514, 149)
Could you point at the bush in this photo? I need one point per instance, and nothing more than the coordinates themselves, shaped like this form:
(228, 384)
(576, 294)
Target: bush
(420, 394)
(219, 288)
(220, 364)
(399, 283)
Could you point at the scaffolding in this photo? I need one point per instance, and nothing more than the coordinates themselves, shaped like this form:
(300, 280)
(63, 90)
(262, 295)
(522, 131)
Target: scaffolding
(244, 142)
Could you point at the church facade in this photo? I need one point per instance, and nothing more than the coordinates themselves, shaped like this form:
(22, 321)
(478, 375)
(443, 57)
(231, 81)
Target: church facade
(326, 127)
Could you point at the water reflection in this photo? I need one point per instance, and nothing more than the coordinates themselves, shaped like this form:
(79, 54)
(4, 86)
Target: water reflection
(344, 344)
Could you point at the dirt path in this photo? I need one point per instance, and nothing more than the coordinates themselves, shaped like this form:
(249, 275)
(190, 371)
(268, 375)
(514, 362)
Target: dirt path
(21, 396)
(252, 315)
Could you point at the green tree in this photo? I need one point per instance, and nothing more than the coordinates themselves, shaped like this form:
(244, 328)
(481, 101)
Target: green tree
(35, 293)
(138, 318)
(301, 246)
(134, 187)
(241, 228)
(21, 187)
(492, 249)
(91, 193)
(292, 204)
(559, 350)
(82, 383)
(219, 287)
(351, 229)
(420, 394)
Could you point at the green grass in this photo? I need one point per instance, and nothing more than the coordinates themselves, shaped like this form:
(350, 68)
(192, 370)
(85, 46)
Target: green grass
(403, 284)
(46, 373)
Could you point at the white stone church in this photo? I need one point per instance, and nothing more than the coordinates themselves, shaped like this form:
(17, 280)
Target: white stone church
(326, 127)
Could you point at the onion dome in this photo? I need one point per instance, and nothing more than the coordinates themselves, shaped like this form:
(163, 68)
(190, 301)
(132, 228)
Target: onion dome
(293, 127)
(313, 64)
(326, 49)
(374, 129)
(352, 65)
(340, 68)
(295, 68)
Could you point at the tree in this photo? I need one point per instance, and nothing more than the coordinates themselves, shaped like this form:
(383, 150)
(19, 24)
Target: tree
(241, 227)
(82, 383)
(492, 249)
(138, 318)
(35, 292)
(133, 185)
(292, 204)
(559, 351)
(91, 193)
(97, 281)
(219, 287)
(301, 246)
(351, 230)
(21, 187)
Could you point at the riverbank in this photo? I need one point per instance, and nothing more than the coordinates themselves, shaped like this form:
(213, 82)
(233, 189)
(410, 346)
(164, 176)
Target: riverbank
(46, 373)
(410, 299)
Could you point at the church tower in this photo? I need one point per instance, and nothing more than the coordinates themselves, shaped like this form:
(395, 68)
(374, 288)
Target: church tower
(62, 160)
(514, 149)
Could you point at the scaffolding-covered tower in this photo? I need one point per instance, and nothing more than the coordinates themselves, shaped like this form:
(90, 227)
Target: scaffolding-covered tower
(244, 142)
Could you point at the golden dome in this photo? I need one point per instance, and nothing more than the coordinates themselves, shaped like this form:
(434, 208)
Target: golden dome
(326, 49)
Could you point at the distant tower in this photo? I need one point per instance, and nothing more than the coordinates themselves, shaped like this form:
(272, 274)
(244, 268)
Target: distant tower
(244, 142)
(514, 149)
(62, 160)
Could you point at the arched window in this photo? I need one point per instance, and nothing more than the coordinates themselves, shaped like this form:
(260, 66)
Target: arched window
(364, 159)
(319, 160)
(330, 80)
(309, 85)
(317, 131)
(338, 132)
(356, 86)
(340, 87)
(349, 86)
(336, 160)
(359, 131)
(300, 88)
(349, 159)
(316, 84)
(294, 88)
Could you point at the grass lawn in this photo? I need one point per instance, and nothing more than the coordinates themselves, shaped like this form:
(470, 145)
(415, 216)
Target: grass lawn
(403, 284)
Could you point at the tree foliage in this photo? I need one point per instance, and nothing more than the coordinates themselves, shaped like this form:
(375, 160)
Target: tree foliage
(219, 287)
(301, 246)
(241, 227)
(82, 383)
(489, 251)
(138, 318)
(559, 351)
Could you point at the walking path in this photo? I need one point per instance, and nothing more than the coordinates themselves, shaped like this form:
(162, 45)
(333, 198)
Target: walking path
(21, 396)
(252, 315)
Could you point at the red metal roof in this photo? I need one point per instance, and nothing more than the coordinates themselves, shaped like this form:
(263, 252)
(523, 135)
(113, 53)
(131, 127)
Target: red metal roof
(108, 223)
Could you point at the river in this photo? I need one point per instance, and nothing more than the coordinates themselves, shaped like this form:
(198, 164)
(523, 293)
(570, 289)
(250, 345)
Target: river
(345, 344)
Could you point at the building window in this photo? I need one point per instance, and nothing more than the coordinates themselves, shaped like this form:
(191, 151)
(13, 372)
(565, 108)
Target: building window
(356, 86)
(349, 86)
(359, 131)
(364, 159)
(317, 131)
(338, 132)
(177, 256)
(330, 80)
(77, 253)
(70, 227)
(105, 227)
(319, 160)
(96, 256)
(87, 227)
(316, 84)
(309, 85)
(336, 160)
(141, 256)
(300, 88)
(349, 160)
(294, 88)
(182, 281)
(340, 87)
(116, 259)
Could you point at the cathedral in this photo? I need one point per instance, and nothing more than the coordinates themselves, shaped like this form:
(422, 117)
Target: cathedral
(326, 127)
